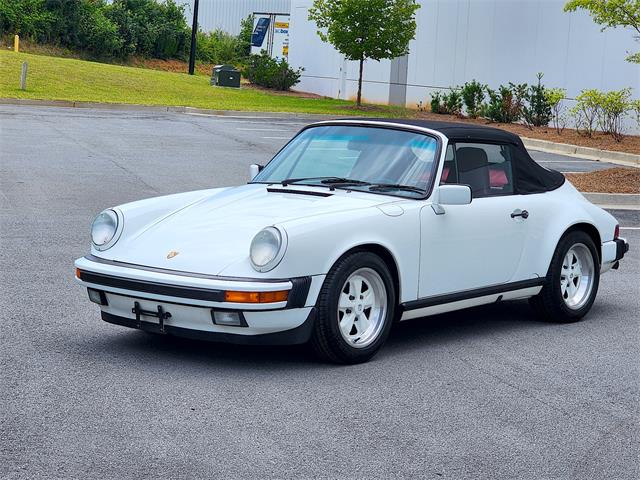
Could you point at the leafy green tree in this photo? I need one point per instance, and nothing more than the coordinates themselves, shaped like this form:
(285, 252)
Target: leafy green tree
(371, 29)
(611, 14)
(244, 38)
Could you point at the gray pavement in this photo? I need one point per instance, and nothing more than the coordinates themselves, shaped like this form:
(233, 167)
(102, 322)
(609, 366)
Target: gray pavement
(565, 163)
(487, 393)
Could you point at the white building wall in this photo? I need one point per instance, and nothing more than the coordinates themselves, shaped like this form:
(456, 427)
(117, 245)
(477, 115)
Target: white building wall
(227, 14)
(493, 41)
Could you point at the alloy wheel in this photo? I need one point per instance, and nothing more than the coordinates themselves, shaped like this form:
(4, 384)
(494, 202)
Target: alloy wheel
(362, 307)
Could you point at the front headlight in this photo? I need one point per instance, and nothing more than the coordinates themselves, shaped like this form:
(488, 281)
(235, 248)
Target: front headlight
(104, 229)
(267, 249)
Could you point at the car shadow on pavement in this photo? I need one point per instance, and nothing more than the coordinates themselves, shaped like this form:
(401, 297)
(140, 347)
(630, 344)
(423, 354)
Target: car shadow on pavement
(464, 325)
(418, 334)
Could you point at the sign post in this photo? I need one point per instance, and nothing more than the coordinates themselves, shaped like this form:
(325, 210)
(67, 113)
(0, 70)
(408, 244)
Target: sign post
(23, 76)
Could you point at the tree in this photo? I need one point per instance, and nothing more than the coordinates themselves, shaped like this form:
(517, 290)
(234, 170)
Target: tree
(611, 14)
(366, 29)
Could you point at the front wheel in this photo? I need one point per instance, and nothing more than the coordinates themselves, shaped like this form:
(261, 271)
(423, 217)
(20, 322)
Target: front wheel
(572, 282)
(355, 309)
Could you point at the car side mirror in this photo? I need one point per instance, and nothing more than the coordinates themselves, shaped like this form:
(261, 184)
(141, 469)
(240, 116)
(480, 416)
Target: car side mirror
(451, 195)
(254, 170)
(455, 195)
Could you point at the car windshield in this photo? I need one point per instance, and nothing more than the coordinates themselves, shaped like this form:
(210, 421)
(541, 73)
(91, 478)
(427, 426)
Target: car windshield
(379, 160)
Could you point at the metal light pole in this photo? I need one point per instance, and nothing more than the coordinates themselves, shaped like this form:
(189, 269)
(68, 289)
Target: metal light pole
(194, 33)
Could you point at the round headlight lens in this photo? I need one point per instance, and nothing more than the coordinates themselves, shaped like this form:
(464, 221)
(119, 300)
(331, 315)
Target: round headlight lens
(265, 249)
(104, 228)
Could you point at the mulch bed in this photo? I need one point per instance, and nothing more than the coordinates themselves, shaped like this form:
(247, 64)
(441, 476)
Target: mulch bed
(611, 180)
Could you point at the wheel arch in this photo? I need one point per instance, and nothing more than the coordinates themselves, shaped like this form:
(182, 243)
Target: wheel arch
(387, 257)
(590, 230)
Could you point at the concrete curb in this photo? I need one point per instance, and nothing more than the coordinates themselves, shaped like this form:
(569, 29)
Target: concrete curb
(619, 158)
(622, 201)
(162, 108)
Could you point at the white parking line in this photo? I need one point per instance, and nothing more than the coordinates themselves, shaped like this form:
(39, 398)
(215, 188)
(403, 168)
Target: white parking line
(629, 228)
(250, 119)
(277, 138)
(260, 129)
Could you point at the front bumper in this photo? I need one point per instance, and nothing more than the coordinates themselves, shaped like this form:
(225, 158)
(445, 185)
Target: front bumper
(612, 253)
(183, 304)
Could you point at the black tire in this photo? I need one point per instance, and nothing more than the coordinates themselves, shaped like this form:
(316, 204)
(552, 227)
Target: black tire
(549, 304)
(326, 339)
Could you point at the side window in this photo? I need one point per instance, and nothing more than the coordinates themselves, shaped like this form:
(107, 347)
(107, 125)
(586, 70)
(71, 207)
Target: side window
(485, 167)
(449, 169)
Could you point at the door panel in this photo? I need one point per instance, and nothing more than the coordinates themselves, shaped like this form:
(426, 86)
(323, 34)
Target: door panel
(470, 246)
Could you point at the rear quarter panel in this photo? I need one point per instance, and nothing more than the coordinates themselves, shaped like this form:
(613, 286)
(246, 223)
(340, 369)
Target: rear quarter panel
(551, 215)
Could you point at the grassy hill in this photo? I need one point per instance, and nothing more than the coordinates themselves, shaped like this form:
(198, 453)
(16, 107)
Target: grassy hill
(55, 78)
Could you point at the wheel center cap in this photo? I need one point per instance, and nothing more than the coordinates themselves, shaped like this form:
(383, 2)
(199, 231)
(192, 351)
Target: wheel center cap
(359, 308)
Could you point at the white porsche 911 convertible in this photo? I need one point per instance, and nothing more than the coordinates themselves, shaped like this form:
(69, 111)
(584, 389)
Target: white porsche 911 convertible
(353, 225)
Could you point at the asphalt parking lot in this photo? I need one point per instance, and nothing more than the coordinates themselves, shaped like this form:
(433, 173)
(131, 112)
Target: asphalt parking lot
(487, 393)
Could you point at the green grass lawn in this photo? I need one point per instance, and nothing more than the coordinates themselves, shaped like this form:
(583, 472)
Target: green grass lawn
(54, 78)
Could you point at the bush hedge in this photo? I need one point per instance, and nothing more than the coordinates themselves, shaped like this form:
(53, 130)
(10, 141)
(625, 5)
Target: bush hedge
(116, 29)
(120, 28)
(538, 106)
(268, 72)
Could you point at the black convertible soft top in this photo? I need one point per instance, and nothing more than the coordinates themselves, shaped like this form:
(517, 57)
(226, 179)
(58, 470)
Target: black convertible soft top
(529, 177)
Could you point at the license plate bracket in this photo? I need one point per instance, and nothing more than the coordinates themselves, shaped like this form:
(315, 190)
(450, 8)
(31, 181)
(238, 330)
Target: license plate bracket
(160, 314)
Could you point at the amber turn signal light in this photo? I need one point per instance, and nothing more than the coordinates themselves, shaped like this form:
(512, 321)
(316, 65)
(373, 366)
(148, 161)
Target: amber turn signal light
(256, 297)
(77, 273)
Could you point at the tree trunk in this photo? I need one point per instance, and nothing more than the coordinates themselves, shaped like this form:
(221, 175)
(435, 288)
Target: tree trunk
(359, 100)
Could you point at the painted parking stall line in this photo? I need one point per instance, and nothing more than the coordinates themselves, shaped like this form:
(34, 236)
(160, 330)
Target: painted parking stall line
(259, 129)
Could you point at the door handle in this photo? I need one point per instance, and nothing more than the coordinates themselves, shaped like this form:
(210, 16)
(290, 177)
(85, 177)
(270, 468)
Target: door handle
(520, 213)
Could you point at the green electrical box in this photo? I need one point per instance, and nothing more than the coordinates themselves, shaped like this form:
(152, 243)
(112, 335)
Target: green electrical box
(225, 76)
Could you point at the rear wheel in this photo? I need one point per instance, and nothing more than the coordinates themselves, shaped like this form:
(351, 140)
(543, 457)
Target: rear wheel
(355, 309)
(572, 282)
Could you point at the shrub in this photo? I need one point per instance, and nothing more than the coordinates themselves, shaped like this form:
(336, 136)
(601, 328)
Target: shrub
(149, 28)
(244, 38)
(118, 28)
(586, 111)
(96, 33)
(505, 105)
(635, 107)
(614, 108)
(473, 98)
(606, 110)
(538, 110)
(453, 102)
(436, 103)
(447, 103)
(554, 98)
(217, 47)
(27, 18)
(271, 73)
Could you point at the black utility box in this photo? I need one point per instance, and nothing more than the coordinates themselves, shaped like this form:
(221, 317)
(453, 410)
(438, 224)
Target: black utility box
(225, 76)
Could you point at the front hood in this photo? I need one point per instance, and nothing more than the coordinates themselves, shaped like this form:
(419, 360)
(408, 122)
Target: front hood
(217, 230)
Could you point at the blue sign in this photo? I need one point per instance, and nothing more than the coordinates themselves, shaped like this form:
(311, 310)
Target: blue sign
(257, 37)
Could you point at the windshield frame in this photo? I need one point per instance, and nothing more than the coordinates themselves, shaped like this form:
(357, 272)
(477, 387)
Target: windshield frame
(437, 136)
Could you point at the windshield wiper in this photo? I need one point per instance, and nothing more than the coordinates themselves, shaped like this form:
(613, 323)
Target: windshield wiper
(325, 181)
(382, 187)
